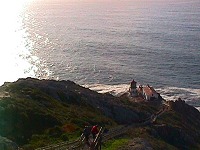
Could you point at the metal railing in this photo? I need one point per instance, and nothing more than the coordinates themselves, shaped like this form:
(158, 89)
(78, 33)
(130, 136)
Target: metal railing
(101, 137)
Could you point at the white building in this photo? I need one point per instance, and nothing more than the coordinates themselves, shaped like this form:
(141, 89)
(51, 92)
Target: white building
(149, 93)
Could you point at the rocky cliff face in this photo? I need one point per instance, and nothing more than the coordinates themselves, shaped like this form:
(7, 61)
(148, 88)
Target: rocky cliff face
(69, 92)
(180, 127)
(182, 108)
(35, 112)
(188, 113)
(30, 109)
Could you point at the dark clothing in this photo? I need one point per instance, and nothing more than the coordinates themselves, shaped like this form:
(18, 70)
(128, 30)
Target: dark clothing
(86, 133)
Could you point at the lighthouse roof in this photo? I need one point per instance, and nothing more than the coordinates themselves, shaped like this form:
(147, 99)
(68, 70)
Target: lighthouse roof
(149, 90)
(133, 81)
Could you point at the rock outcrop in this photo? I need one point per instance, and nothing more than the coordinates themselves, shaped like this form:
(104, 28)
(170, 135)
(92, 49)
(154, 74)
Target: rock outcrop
(188, 113)
(33, 113)
(70, 92)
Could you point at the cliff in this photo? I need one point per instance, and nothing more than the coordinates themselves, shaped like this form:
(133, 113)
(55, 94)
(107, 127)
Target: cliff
(34, 113)
(31, 110)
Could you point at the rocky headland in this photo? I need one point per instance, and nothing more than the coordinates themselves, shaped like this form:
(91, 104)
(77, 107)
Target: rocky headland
(35, 113)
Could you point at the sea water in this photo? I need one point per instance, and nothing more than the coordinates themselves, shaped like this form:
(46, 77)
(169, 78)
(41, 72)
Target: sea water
(104, 44)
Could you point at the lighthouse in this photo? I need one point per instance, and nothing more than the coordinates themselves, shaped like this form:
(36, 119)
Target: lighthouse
(133, 88)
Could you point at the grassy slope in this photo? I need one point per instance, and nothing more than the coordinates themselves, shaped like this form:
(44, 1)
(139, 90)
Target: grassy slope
(115, 144)
(32, 117)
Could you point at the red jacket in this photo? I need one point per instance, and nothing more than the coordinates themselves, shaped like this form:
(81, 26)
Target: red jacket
(94, 130)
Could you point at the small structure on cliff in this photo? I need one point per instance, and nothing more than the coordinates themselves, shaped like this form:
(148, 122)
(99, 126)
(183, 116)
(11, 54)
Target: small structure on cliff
(146, 92)
(149, 93)
(133, 89)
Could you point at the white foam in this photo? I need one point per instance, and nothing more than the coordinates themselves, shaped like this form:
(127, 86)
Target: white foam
(168, 93)
(113, 89)
(191, 96)
(173, 93)
(198, 108)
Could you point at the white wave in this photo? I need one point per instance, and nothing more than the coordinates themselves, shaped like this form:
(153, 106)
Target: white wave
(198, 108)
(168, 93)
(173, 93)
(191, 96)
(113, 89)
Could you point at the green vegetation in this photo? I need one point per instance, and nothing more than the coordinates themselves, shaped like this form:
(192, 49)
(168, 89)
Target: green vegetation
(34, 113)
(115, 144)
(32, 119)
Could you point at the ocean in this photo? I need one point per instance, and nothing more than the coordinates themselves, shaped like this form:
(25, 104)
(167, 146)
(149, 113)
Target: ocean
(104, 44)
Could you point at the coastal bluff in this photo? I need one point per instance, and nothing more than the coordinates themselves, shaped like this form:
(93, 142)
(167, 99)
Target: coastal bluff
(35, 113)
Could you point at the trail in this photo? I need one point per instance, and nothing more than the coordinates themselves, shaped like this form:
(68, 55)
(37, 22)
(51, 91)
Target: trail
(79, 144)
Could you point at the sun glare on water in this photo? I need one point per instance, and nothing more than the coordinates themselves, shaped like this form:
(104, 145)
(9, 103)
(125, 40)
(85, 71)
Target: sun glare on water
(12, 45)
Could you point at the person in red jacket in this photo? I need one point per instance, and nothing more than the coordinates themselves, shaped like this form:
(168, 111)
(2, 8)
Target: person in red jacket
(94, 131)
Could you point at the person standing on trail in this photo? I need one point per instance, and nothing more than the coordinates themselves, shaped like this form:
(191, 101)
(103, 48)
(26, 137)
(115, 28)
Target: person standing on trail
(94, 131)
(86, 133)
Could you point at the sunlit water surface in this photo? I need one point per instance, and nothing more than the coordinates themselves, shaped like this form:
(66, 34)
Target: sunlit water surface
(103, 44)
(15, 55)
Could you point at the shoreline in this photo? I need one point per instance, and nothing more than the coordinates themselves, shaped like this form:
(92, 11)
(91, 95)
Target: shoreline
(190, 95)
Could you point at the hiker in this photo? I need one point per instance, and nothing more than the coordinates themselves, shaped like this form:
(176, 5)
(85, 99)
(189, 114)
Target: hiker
(86, 133)
(94, 131)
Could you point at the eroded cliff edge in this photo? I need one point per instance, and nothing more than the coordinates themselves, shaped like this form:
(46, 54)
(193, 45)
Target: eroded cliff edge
(36, 112)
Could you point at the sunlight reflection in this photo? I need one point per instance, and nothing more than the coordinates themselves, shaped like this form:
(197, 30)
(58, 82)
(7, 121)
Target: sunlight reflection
(14, 53)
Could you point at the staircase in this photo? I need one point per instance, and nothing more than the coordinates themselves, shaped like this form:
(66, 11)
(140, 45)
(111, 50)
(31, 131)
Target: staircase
(79, 144)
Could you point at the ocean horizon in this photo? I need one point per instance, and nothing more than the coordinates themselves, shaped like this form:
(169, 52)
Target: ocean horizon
(103, 44)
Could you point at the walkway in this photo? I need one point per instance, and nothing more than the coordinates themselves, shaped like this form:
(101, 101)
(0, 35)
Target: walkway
(79, 144)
